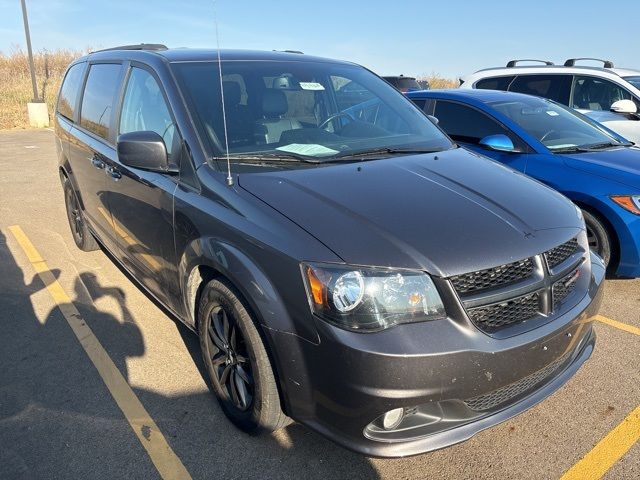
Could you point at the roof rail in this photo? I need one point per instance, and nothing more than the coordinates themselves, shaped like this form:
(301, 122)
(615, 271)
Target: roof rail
(139, 46)
(513, 63)
(572, 61)
(290, 51)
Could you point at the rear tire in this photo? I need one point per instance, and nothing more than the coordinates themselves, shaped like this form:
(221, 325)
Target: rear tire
(237, 362)
(82, 236)
(598, 237)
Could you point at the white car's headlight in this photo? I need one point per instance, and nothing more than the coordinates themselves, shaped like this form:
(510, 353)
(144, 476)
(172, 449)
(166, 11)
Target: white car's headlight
(369, 299)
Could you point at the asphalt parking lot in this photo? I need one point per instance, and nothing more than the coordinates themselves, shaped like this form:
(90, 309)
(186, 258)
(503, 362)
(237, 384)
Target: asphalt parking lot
(97, 381)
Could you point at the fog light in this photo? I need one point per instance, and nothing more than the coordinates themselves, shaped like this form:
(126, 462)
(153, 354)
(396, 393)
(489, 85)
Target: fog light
(392, 418)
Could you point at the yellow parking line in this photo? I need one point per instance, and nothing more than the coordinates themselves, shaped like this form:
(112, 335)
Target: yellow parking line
(608, 450)
(614, 323)
(165, 460)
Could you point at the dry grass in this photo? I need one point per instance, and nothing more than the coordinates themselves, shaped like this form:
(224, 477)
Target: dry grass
(436, 81)
(15, 82)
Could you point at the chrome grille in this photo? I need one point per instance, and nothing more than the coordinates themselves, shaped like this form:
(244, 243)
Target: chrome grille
(559, 254)
(493, 277)
(502, 395)
(490, 318)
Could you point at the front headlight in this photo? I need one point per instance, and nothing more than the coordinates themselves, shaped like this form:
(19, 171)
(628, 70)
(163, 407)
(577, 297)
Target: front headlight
(369, 299)
(628, 202)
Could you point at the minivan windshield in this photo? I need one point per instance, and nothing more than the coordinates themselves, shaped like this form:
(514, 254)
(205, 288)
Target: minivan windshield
(557, 127)
(310, 110)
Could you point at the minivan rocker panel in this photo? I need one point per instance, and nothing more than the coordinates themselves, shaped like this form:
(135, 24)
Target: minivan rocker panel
(441, 213)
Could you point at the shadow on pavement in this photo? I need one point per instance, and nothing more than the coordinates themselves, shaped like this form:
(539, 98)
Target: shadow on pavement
(58, 420)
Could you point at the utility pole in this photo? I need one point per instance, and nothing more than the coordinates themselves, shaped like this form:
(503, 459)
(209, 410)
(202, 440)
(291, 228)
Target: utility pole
(36, 108)
(29, 51)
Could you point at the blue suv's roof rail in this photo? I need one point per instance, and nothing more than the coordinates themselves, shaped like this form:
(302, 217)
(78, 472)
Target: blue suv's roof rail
(572, 61)
(513, 63)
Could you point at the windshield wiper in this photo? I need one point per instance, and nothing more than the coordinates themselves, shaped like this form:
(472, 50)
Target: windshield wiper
(380, 151)
(590, 147)
(601, 146)
(274, 157)
(571, 149)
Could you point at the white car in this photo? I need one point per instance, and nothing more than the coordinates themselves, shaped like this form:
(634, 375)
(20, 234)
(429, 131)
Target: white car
(627, 125)
(607, 94)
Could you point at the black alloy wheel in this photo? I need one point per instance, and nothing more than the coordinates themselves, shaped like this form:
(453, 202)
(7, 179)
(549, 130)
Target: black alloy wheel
(230, 360)
(74, 216)
(82, 236)
(236, 360)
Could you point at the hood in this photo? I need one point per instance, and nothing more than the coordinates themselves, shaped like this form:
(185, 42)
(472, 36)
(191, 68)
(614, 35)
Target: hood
(627, 126)
(448, 213)
(619, 164)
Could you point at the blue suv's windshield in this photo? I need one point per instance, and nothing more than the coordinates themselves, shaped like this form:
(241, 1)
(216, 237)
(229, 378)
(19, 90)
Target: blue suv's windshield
(557, 127)
(314, 110)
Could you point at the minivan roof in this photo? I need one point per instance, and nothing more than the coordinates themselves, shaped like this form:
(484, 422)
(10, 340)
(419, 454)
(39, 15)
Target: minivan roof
(209, 54)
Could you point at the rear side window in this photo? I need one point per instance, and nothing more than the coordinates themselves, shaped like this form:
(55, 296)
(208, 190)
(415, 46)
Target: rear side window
(553, 87)
(495, 83)
(465, 124)
(407, 84)
(99, 97)
(69, 91)
(404, 84)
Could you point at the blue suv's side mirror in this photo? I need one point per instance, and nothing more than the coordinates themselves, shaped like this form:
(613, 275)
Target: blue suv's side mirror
(498, 143)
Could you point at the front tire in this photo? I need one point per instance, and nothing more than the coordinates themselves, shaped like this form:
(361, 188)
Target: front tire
(237, 362)
(82, 236)
(598, 237)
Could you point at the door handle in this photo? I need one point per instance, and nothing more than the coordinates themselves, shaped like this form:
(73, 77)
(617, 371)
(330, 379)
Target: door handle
(96, 162)
(113, 173)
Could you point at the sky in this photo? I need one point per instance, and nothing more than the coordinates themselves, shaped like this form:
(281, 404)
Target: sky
(418, 38)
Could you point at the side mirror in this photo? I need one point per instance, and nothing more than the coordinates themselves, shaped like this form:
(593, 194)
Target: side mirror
(624, 106)
(144, 150)
(433, 119)
(498, 143)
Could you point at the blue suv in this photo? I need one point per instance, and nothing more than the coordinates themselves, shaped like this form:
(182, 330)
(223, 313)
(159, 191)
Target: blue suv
(593, 166)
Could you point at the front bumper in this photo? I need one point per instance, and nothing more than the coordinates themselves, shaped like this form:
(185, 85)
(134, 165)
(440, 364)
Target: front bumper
(341, 385)
(627, 227)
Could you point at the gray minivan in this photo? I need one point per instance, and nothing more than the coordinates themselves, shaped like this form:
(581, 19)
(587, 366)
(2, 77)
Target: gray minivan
(344, 263)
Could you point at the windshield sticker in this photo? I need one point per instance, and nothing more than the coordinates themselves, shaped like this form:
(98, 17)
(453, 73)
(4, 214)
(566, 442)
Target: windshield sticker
(551, 113)
(312, 149)
(311, 86)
